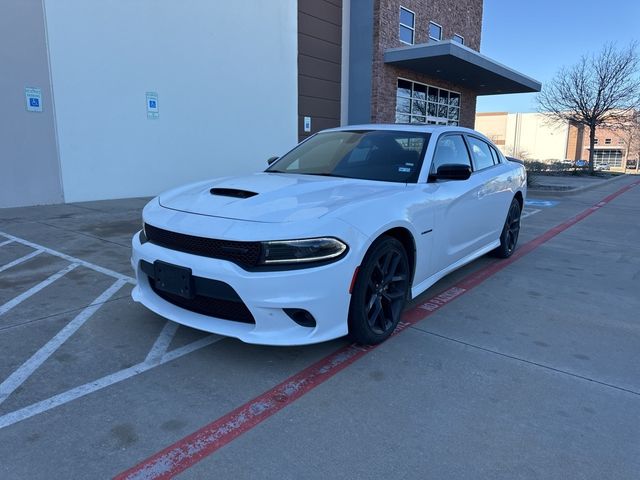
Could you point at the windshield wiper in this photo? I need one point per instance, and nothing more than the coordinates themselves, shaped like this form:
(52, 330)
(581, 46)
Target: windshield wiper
(325, 174)
(320, 174)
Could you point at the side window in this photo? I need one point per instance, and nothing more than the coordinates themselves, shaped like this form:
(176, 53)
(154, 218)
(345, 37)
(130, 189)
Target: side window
(450, 149)
(501, 157)
(496, 157)
(482, 157)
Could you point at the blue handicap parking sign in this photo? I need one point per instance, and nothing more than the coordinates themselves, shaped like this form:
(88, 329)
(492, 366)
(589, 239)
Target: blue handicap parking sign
(34, 102)
(532, 202)
(152, 104)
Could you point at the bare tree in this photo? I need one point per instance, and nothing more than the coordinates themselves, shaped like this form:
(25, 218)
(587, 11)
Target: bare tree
(600, 90)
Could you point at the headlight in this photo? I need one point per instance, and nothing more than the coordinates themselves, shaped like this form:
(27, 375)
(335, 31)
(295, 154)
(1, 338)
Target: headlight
(301, 251)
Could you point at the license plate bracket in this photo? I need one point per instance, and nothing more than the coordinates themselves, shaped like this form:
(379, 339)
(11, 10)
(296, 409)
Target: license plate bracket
(173, 279)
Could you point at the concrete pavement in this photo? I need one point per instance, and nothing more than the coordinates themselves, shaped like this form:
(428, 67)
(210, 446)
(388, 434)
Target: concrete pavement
(532, 374)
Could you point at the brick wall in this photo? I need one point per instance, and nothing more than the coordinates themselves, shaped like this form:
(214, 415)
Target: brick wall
(619, 140)
(575, 140)
(462, 17)
(578, 141)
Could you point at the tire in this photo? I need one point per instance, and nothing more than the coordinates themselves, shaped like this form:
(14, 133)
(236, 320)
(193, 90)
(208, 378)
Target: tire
(380, 292)
(510, 232)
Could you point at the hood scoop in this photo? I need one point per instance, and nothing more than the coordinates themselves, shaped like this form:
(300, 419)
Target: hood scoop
(232, 192)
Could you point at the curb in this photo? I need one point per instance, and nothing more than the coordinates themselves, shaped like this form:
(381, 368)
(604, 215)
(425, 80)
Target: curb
(573, 191)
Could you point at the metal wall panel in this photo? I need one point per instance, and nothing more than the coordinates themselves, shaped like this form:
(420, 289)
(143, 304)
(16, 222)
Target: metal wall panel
(319, 64)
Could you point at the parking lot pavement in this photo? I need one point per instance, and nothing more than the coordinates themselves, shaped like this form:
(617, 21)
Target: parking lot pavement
(527, 370)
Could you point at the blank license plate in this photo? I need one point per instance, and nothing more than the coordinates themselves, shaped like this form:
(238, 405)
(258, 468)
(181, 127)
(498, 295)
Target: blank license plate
(173, 279)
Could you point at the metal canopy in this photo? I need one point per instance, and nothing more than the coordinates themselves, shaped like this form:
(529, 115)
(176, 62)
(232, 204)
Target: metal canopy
(462, 66)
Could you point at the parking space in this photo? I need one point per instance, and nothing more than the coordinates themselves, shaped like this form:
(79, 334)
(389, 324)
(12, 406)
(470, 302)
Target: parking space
(519, 369)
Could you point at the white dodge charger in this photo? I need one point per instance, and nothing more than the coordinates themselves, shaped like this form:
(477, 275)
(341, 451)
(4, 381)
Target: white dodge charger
(332, 239)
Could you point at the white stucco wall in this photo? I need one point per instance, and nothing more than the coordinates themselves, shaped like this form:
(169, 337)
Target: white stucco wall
(29, 168)
(533, 135)
(225, 73)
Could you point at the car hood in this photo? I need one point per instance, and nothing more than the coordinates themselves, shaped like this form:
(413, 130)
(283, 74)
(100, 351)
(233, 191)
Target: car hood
(274, 197)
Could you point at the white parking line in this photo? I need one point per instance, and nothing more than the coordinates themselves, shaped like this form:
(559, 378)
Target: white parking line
(18, 377)
(192, 347)
(69, 258)
(157, 355)
(162, 343)
(35, 289)
(528, 212)
(20, 260)
(87, 388)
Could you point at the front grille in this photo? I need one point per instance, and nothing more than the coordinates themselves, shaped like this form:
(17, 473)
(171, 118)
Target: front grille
(213, 307)
(245, 254)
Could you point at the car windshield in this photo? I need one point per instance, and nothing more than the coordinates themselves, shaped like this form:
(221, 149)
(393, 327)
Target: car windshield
(385, 155)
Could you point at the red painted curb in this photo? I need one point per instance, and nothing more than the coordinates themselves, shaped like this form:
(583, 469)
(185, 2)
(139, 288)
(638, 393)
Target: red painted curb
(202, 443)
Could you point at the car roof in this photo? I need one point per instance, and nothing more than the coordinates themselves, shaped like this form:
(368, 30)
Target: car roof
(402, 127)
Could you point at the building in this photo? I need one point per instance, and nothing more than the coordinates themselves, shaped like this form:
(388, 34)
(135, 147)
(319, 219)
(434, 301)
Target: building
(424, 63)
(525, 135)
(531, 136)
(616, 149)
(116, 99)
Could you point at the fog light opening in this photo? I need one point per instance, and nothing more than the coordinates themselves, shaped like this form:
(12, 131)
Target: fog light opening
(301, 317)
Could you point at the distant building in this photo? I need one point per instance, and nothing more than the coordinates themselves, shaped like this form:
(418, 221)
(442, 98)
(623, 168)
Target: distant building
(525, 135)
(531, 136)
(614, 148)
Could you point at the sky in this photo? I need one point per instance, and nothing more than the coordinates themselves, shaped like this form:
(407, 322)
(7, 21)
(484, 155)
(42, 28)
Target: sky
(538, 37)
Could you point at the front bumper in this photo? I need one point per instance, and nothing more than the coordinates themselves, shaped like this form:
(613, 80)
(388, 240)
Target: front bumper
(322, 291)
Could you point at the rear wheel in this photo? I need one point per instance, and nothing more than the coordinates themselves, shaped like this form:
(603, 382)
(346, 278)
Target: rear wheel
(510, 231)
(380, 292)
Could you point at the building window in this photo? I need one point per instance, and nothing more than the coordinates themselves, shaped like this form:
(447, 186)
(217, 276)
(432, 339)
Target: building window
(407, 25)
(607, 141)
(612, 158)
(458, 39)
(420, 103)
(435, 31)
(595, 141)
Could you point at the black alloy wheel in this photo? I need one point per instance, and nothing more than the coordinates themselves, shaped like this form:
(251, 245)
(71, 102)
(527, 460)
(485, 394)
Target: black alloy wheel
(510, 231)
(380, 292)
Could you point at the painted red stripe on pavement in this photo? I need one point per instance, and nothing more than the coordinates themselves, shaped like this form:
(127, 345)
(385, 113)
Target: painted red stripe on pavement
(202, 443)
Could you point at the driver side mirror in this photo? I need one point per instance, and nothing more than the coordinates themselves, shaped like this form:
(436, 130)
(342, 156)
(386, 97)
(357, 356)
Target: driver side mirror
(272, 159)
(453, 171)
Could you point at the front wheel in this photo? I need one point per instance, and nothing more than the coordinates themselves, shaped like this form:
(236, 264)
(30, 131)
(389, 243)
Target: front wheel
(510, 231)
(380, 292)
